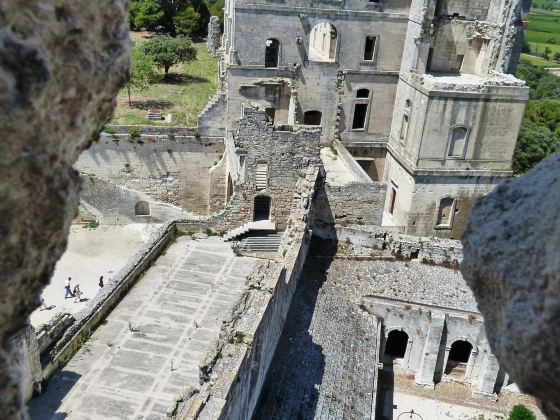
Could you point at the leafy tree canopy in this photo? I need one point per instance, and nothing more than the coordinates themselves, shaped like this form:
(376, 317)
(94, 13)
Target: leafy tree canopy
(174, 17)
(167, 51)
(540, 132)
(142, 72)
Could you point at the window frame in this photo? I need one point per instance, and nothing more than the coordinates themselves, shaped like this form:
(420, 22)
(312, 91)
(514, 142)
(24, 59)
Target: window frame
(463, 155)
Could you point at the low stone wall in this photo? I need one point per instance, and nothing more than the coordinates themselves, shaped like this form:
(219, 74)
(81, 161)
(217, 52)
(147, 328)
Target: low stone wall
(446, 252)
(151, 130)
(235, 369)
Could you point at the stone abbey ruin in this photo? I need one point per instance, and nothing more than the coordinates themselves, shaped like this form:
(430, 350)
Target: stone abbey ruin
(307, 261)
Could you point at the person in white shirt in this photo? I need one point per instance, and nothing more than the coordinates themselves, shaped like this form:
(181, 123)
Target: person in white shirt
(67, 289)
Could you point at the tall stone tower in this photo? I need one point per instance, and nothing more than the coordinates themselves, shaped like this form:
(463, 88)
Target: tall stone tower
(457, 112)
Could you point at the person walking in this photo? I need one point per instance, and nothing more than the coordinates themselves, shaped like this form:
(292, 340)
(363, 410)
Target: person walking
(67, 289)
(77, 293)
(101, 284)
(42, 301)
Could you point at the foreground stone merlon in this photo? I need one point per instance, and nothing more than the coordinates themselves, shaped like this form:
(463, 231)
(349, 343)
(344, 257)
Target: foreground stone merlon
(512, 263)
(61, 65)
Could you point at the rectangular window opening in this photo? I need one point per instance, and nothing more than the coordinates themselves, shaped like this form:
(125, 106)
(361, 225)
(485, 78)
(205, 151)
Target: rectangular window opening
(360, 114)
(369, 48)
(393, 201)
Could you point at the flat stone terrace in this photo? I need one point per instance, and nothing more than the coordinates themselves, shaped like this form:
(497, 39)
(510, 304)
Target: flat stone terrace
(324, 366)
(148, 349)
(410, 281)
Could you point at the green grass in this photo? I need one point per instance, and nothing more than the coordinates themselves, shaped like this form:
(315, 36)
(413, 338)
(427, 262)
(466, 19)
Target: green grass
(183, 96)
(539, 62)
(544, 27)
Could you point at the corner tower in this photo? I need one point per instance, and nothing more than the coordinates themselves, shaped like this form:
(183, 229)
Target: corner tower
(457, 112)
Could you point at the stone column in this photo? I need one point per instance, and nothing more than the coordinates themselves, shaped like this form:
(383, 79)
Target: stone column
(214, 35)
(487, 378)
(425, 373)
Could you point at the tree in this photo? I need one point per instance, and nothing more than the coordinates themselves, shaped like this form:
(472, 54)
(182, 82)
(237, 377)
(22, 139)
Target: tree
(520, 412)
(557, 57)
(170, 16)
(142, 73)
(167, 51)
(546, 53)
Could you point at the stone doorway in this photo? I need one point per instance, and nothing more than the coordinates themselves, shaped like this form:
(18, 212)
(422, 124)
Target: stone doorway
(397, 342)
(262, 208)
(458, 359)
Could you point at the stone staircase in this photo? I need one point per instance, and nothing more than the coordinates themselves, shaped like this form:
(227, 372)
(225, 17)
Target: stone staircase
(261, 242)
(212, 102)
(262, 226)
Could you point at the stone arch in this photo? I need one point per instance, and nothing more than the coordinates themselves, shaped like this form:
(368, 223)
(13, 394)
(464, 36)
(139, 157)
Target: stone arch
(312, 117)
(142, 208)
(323, 42)
(397, 344)
(458, 142)
(272, 53)
(459, 356)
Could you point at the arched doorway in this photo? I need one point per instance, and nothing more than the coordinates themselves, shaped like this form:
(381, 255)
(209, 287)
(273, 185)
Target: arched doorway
(272, 53)
(397, 342)
(459, 356)
(323, 41)
(262, 208)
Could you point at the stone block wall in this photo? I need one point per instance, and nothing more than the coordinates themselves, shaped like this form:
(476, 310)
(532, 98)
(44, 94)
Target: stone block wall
(175, 171)
(214, 35)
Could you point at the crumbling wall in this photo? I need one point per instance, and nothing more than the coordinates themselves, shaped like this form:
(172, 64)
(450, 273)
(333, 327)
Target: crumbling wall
(214, 35)
(354, 203)
(512, 264)
(174, 171)
(61, 66)
(26, 358)
(287, 154)
(234, 371)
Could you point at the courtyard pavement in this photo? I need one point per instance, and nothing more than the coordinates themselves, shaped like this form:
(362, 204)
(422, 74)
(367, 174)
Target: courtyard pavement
(90, 253)
(147, 351)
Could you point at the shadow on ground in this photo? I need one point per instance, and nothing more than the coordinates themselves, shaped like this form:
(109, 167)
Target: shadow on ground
(181, 79)
(291, 390)
(45, 406)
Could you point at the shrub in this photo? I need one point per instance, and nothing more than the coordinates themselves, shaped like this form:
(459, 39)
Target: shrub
(520, 412)
(134, 133)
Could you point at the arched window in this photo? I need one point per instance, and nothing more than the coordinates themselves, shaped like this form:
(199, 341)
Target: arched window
(459, 356)
(323, 42)
(446, 212)
(272, 53)
(312, 118)
(261, 210)
(142, 208)
(397, 341)
(362, 94)
(458, 143)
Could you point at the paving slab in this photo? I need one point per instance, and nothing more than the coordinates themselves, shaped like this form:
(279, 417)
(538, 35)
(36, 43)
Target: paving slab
(149, 347)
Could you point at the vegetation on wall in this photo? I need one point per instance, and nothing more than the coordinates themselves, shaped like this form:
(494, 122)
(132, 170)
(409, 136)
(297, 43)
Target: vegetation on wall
(540, 131)
(173, 17)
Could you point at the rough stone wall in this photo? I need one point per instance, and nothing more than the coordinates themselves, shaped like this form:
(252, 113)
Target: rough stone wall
(26, 359)
(214, 35)
(112, 204)
(217, 187)
(174, 171)
(513, 266)
(61, 65)
(354, 203)
(212, 120)
(288, 155)
(428, 250)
